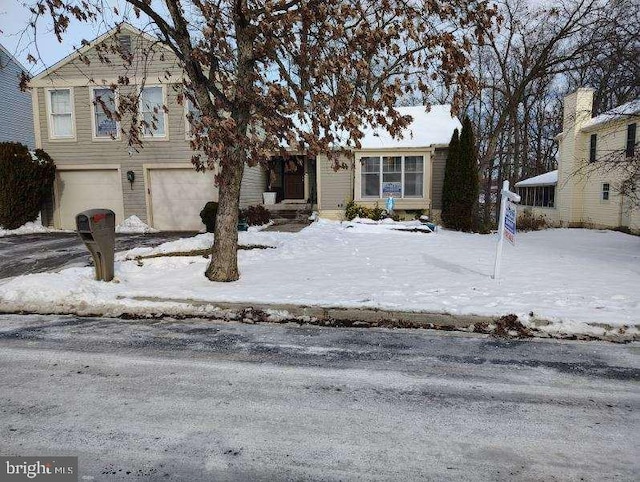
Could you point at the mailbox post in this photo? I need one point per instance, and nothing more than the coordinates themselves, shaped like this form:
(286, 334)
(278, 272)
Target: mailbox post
(97, 229)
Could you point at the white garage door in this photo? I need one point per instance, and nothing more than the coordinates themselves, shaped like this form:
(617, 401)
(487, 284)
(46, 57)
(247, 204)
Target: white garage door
(88, 189)
(178, 196)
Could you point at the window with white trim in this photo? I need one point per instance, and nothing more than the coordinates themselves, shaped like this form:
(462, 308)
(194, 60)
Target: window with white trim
(152, 112)
(192, 115)
(605, 191)
(397, 176)
(104, 110)
(60, 114)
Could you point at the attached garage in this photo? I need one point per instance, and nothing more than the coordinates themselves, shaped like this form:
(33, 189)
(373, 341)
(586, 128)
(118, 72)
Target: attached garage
(80, 189)
(176, 197)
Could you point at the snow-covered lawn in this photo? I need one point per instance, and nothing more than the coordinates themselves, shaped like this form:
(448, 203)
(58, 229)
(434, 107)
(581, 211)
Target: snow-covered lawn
(570, 277)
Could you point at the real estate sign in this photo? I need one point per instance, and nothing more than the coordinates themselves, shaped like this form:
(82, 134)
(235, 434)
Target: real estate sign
(510, 223)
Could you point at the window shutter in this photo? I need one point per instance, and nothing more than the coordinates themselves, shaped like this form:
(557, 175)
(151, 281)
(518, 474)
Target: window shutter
(592, 148)
(631, 140)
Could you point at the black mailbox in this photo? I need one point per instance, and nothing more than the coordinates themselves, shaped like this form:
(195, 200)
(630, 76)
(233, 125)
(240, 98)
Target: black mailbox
(97, 229)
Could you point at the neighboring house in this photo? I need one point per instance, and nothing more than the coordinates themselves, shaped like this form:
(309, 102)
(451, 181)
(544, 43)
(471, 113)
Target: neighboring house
(157, 183)
(16, 121)
(583, 191)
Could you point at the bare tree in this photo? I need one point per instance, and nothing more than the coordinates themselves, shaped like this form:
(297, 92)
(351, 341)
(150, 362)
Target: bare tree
(305, 74)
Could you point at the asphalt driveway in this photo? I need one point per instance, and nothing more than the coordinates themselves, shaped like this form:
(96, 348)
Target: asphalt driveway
(36, 253)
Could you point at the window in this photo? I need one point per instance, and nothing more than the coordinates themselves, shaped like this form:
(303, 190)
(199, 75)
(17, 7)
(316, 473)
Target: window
(413, 176)
(392, 176)
(60, 114)
(152, 112)
(397, 176)
(631, 140)
(105, 125)
(592, 147)
(540, 196)
(370, 176)
(605, 191)
(192, 114)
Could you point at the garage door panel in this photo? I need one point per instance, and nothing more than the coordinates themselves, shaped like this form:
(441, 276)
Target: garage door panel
(79, 190)
(178, 196)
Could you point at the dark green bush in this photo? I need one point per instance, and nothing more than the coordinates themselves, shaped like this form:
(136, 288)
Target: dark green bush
(208, 216)
(354, 210)
(26, 182)
(256, 215)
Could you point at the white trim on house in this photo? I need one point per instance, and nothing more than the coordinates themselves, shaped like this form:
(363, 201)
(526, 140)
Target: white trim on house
(52, 137)
(37, 133)
(94, 135)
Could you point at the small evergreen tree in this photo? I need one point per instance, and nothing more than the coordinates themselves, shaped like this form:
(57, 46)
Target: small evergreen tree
(460, 188)
(450, 180)
(469, 183)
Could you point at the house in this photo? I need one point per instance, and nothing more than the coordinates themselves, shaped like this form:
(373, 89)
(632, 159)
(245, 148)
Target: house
(16, 124)
(95, 165)
(97, 168)
(592, 155)
(411, 168)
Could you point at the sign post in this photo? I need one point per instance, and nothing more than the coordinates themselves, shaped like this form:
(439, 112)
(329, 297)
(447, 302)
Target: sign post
(506, 225)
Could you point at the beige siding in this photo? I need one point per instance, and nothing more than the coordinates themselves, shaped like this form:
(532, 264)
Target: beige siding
(151, 64)
(254, 182)
(437, 171)
(174, 150)
(335, 187)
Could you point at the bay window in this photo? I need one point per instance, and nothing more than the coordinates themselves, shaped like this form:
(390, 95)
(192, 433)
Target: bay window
(397, 176)
(60, 114)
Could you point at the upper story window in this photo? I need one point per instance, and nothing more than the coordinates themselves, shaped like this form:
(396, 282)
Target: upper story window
(631, 140)
(105, 125)
(397, 176)
(192, 115)
(60, 104)
(592, 147)
(152, 112)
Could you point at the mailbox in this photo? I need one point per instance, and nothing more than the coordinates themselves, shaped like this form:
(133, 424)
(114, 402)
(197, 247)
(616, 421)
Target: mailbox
(97, 229)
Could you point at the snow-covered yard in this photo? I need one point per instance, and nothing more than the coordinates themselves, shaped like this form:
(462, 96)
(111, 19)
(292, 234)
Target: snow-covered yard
(570, 277)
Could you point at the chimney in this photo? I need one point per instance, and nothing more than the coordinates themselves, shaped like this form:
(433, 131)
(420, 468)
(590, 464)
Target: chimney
(577, 109)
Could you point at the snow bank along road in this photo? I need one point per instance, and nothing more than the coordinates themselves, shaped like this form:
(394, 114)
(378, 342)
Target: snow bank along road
(199, 400)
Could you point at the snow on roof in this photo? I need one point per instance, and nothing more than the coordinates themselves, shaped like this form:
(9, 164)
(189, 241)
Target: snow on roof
(547, 179)
(622, 111)
(426, 129)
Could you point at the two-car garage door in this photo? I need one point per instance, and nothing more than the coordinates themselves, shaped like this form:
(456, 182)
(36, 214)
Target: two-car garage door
(178, 196)
(78, 190)
(174, 196)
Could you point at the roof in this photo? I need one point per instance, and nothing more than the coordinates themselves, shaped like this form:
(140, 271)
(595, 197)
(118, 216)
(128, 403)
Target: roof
(547, 179)
(621, 112)
(11, 57)
(426, 129)
(75, 54)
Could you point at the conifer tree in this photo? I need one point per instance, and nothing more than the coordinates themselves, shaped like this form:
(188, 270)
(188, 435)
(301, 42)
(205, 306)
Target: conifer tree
(450, 180)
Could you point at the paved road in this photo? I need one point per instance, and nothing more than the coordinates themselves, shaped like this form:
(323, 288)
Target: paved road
(36, 253)
(201, 400)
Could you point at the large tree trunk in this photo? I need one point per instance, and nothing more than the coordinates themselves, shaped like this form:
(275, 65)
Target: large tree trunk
(224, 257)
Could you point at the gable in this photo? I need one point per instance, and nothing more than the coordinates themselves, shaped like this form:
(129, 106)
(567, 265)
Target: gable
(152, 61)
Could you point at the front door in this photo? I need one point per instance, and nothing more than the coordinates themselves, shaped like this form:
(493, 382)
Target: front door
(294, 178)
